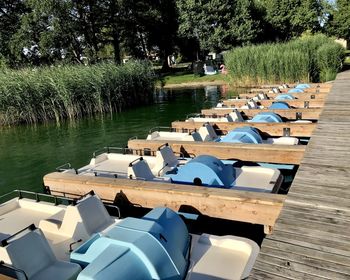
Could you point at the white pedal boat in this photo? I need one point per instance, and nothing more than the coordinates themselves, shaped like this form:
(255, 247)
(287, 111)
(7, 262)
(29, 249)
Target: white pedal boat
(251, 104)
(203, 170)
(206, 133)
(85, 242)
(117, 164)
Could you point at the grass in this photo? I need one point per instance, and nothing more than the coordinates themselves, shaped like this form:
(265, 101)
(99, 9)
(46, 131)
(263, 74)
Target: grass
(187, 78)
(70, 92)
(310, 59)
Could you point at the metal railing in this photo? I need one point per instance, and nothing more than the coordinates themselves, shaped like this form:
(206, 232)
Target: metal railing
(117, 150)
(36, 196)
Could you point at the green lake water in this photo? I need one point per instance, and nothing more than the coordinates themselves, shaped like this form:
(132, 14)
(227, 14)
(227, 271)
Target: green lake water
(27, 153)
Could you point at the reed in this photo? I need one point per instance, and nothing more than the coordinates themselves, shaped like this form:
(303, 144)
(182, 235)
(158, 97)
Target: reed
(37, 95)
(308, 59)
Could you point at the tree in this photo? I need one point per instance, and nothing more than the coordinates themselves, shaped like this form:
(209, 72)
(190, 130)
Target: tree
(50, 31)
(290, 18)
(10, 14)
(219, 25)
(339, 20)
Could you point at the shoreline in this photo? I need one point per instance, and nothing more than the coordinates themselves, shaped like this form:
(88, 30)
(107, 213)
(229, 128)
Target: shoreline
(193, 84)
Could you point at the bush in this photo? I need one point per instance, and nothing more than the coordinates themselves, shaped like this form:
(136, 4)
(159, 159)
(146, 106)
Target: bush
(297, 60)
(35, 95)
(330, 59)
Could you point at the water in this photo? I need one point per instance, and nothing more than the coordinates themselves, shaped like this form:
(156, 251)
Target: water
(27, 153)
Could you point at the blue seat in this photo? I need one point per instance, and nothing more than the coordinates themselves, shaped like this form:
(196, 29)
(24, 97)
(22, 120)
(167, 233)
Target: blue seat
(284, 97)
(245, 134)
(268, 117)
(279, 105)
(303, 86)
(295, 90)
(153, 247)
(205, 170)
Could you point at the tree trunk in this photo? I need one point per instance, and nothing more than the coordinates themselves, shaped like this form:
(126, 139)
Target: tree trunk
(116, 46)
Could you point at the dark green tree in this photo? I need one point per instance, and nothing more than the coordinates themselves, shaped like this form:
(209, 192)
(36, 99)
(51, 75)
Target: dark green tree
(10, 14)
(290, 18)
(219, 25)
(339, 20)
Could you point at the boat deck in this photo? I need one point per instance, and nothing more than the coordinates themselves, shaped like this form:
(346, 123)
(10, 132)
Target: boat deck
(311, 239)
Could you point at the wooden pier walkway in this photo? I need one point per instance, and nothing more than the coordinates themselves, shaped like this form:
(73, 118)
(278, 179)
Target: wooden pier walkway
(311, 238)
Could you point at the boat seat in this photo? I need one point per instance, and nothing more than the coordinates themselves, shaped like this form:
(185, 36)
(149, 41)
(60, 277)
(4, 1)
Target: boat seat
(207, 132)
(235, 116)
(82, 220)
(165, 161)
(140, 170)
(32, 254)
(252, 104)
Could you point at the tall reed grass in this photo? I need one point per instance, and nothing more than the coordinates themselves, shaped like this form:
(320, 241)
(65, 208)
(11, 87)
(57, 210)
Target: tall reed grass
(310, 59)
(36, 95)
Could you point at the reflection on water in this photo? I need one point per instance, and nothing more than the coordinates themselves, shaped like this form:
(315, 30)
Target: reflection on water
(29, 152)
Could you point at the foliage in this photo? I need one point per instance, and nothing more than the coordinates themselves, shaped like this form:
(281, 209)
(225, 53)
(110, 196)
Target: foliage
(288, 19)
(35, 95)
(330, 59)
(49, 31)
(298, 60)
(339, 20)
(10, 14)
(218, 25)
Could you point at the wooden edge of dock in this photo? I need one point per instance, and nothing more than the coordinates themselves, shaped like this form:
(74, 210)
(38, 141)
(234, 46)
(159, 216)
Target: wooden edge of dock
(270, 129)
(299, 96)
(281, 154)
(296, 103)
(244, 206)
(290, 114)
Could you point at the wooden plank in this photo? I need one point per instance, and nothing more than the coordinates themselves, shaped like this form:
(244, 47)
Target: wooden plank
(312, 241)
(299, 96)
(307, 103)
(279, 269)
(330, 231)
(285, 90)
(292, 85)
(282, 154)
(290, 114)
(257, 274)
(251, 207)
(314, 213)
(323, 257)
(270, 129)
(302, 265)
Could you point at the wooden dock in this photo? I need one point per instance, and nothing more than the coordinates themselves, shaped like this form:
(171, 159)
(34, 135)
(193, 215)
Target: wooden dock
(311, 239)
(318, 89)
(295, 103)
(269, 129)
(289, 114)
(251, 207)
(281, 154)
(299, 96)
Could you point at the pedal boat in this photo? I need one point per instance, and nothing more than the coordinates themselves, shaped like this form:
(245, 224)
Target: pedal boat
(156, 246)
(203, 170)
